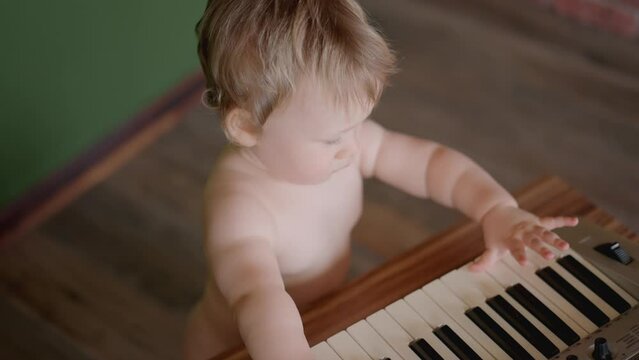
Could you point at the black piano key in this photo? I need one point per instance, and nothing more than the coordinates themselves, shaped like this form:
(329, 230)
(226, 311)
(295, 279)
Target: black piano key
(523, 326)
(543, 313)
(455, 343)
(594, 283)
(423, 350)
(563, 287)
(498, 334)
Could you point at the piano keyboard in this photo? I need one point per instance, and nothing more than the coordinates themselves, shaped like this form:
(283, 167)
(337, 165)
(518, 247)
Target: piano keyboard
(551, 309)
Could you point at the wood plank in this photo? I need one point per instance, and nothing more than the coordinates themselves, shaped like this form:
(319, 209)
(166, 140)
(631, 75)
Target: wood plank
(26, 336)
(516, 102)
(87, 304)
(141, 233)
(530, 20)
(384, 231)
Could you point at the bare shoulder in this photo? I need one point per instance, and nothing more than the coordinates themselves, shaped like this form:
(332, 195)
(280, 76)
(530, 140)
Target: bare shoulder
(370, 140)
(238, 236)
(233, 206)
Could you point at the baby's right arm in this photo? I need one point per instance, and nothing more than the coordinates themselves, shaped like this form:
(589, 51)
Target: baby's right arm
(244, 266)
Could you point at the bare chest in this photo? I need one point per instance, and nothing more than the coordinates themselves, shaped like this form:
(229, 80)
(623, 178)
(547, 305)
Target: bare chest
(313, 224)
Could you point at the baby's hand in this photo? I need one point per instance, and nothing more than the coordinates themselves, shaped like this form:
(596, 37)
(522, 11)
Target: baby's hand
(509, 228)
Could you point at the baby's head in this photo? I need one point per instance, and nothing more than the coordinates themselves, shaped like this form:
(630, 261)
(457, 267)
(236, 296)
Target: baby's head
(288, 76)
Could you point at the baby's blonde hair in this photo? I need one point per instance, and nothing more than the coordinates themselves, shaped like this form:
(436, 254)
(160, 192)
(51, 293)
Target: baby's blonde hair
(253, 52)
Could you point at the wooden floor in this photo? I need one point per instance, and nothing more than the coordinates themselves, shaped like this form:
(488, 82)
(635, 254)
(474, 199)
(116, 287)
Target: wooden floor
(520, 90)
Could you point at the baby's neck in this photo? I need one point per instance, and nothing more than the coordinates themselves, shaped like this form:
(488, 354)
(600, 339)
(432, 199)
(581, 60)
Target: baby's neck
(251, 158)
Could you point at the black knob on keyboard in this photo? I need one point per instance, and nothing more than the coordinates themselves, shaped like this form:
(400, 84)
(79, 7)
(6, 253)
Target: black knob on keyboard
(602, 352)
(614, 251)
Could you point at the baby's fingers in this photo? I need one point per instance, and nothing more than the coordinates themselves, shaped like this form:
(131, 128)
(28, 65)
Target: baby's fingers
(489, 257)
(518, 251)
(553, 239)
(558, 221)
(534, 242)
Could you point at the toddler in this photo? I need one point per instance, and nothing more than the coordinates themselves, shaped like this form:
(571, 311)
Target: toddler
(295, 82)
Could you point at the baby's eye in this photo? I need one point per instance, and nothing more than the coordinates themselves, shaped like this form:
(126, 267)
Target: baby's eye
(334, 141)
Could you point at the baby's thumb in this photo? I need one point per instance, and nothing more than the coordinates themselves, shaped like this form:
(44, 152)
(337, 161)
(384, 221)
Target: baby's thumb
(487, 259)
(558, 221)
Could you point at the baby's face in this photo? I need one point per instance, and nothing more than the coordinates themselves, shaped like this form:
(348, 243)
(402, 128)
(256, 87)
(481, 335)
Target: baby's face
(308, 138)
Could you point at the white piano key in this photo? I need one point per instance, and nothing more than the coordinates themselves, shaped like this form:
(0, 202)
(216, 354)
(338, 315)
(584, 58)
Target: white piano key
(507, 277)
(394, 335)
(540, 262)
(631, 300)
(323, 351)
(370, 341)
(463, 287)
(436, 317)
(417, 328)
(486, 284)
(454, 307)
(528, 273)
(491, 288)
(346, 347)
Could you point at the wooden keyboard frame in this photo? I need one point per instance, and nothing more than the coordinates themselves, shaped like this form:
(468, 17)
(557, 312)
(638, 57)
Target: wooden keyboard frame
(437, 255)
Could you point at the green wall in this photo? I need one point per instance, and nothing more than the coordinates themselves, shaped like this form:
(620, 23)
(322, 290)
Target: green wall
(72, 71)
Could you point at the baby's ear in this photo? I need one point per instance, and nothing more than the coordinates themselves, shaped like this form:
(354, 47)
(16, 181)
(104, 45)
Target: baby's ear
(242, 128)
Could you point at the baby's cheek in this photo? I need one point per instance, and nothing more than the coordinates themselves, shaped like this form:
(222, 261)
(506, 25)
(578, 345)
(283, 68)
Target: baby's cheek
(297, 166)
(316, 165)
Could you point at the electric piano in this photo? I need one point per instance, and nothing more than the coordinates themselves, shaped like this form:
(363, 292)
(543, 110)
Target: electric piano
(427, 305)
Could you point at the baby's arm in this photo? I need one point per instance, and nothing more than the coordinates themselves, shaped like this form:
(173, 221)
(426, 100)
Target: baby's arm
(239, 239)
(427, 169)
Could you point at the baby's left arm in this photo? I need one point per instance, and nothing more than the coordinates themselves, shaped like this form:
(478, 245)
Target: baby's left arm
(428, 169)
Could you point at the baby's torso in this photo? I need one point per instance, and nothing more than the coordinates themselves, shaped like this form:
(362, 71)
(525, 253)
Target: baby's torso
(314, 222)
(312, 225)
